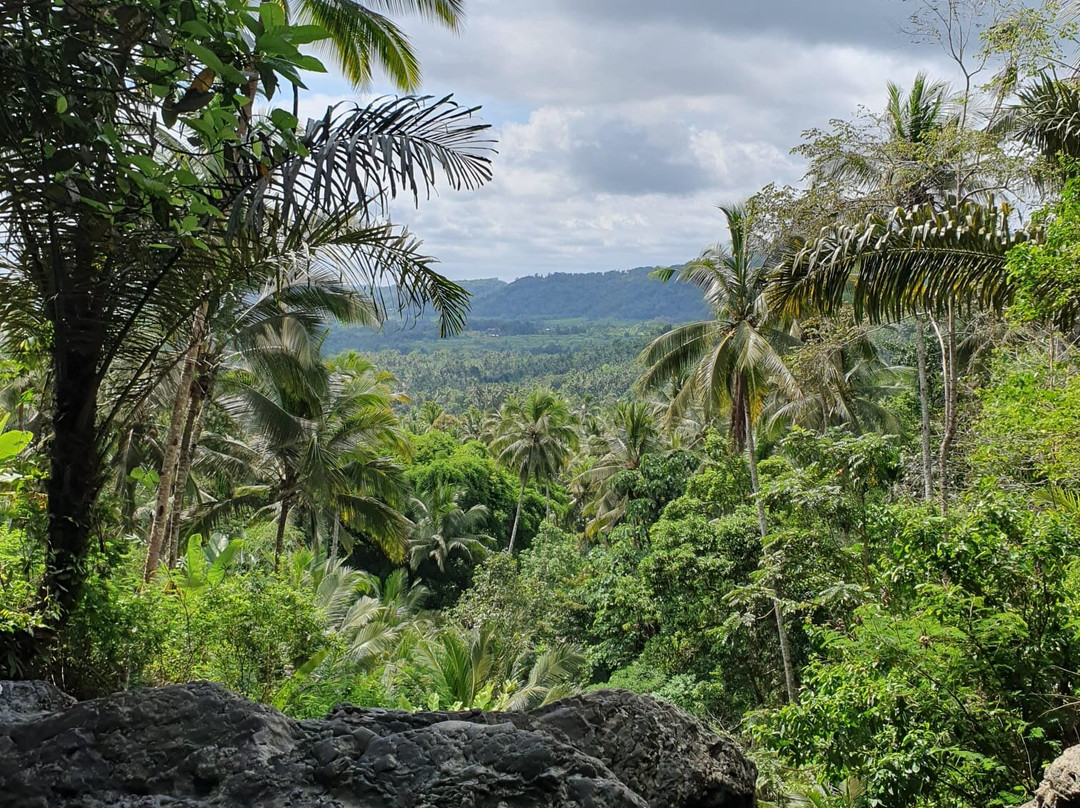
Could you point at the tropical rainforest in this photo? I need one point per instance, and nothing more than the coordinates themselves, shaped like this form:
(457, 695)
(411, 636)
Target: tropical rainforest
(831, 505)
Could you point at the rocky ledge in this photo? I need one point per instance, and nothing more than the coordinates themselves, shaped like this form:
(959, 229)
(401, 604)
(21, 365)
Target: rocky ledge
(1060, 787)
(198, 745)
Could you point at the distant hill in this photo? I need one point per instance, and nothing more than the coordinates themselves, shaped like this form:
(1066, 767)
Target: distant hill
(626, 296)
(558, 304)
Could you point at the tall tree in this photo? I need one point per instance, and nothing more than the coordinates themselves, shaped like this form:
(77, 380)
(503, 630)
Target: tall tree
(362, 36)
(534, 439)
(730, 361)
(114, 232)
(905, 160)
(317, 442)
(912, 260)
(630, 434)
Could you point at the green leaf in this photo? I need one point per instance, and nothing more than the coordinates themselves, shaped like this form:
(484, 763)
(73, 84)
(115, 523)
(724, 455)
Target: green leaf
(283, 120)
(61, 104)
(226, 71)
(217, 570)
(305, 34)
(11, 443)
(309, 63)
(206, 56)
(272, 16)
(195, 562)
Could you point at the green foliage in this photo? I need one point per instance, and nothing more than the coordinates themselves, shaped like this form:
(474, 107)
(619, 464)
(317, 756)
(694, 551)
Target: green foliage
(470, 469)
(950, 691)
(1046, 274)
(1025, 433)
(247, 632)
(529, 600)
(116, 633)
(12, 442)
(22, 564)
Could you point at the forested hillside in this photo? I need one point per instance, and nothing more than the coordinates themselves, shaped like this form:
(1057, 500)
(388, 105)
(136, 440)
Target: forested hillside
(819, 486)
(544, 306)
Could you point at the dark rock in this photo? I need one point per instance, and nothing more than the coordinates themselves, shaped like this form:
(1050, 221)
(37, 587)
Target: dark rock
(1060, 787)
(662, 753)
(30, 700)
(196, 746)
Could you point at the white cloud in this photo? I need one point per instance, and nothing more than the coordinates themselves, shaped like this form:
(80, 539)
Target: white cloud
(621, 123)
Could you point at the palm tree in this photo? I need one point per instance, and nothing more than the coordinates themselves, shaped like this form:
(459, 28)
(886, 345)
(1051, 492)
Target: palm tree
(441, 528)
(842, 382)
(727, 362)
(1047, 117)
(362, 36)
(910, 261)
(304, 288)
(631, 435)
(318, 441)
(375, 624)
(730, 361)
(369, 615)
(291, 243)
(467, 669)
(534, 440)
(908, 168)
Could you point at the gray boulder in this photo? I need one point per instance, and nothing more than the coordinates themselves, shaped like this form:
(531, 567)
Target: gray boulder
(1060, 787)
(198, 745)
(26, 701)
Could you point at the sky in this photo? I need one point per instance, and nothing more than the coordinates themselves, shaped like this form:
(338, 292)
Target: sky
(622, 124)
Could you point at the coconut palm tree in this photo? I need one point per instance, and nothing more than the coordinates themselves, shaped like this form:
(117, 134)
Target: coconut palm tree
(441, 528)
(316, 441)
(534, 439)
(362, 36)
(731, 361)
(630, 435)
(910, 261)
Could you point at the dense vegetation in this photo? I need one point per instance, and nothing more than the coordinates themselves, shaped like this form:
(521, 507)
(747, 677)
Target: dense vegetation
(544, 306)
(837, 516)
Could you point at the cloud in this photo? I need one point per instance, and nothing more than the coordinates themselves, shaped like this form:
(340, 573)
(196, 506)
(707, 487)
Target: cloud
(621, 123)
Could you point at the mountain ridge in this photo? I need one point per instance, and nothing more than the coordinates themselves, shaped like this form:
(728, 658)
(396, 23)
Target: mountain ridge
(553, 306)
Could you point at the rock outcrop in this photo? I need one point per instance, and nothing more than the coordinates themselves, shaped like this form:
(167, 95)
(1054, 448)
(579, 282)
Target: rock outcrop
(1060, 787)
(198, 745)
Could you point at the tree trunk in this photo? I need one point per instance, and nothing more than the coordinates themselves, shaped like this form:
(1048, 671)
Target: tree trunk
(947, 341)
(763, 527)
(924, 412)
(517, 516)
(279, 543)
(193, 426)
(169, 463)
(334, 537)
(75, 476)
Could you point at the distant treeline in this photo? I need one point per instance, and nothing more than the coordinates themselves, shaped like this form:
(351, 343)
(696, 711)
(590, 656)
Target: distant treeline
(558, 304)
(599, 366)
